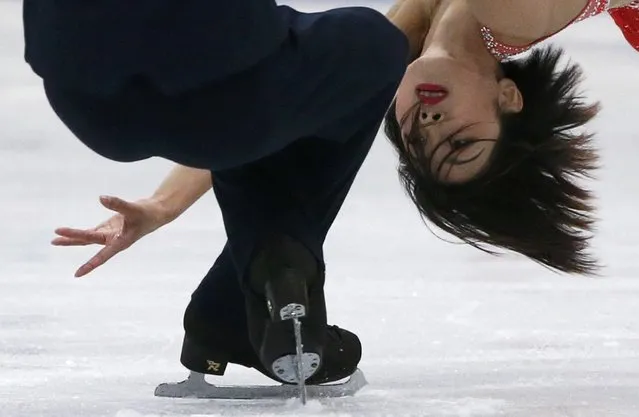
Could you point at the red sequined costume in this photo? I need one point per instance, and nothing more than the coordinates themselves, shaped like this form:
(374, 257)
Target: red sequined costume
(627, 18)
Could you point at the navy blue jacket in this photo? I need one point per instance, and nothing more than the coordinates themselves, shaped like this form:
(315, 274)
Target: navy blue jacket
(178, 43)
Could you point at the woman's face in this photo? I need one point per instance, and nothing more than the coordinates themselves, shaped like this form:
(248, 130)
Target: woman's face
(456, 110)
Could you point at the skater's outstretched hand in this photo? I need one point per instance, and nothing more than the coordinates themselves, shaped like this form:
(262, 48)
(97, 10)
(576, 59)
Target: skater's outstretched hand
(182, 187)
(133, 221)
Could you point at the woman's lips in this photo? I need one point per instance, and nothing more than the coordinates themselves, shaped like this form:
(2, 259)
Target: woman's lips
(431, 94)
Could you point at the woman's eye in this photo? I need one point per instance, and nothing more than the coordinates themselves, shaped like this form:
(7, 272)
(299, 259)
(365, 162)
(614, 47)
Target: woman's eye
(460, 143)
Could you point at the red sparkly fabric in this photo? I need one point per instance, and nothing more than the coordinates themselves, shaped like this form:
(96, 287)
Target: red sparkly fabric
(627, 18)
(502, 51)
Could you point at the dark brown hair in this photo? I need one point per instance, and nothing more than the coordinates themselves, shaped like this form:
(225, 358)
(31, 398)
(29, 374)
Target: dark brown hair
(529, 200)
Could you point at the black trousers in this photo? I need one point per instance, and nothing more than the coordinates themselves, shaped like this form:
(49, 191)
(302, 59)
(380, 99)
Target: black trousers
(284, 140)
(298, 191)
(331, 65)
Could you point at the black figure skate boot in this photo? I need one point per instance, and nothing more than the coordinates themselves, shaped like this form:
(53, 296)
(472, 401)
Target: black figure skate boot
(211, 351)
(341, 357)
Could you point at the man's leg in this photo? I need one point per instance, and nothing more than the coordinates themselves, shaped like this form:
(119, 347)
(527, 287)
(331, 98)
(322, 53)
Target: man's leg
(295, 193)
(332, 80)
(215, 322)
(331, 63)
(299, 190)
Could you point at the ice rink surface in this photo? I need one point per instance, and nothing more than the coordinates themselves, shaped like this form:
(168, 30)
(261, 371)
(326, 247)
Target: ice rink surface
(447, 330)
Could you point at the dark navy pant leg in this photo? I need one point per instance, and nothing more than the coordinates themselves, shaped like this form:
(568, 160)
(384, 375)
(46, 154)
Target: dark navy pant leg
(284, 139)
(298, 191)
(331, 64)
(216, 315)
(311, 180)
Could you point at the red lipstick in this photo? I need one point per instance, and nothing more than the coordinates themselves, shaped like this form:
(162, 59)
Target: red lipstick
(431, 94)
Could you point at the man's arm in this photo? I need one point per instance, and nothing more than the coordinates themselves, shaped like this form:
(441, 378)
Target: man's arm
(182, 187)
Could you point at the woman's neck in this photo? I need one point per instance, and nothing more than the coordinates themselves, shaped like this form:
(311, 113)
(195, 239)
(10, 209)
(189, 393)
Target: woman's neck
(456, 33)
(414, 18)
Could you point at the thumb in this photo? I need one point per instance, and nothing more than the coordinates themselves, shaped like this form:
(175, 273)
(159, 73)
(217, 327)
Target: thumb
(116, 204)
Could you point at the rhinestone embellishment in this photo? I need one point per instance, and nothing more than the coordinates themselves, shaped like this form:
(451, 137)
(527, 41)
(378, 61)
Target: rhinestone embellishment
(502, 51)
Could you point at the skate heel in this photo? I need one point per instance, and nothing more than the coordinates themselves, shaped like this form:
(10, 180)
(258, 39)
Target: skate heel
(287, 300)
(287, 296)
(292, 357)
(284, 281)
(202, 360)
(292, 368)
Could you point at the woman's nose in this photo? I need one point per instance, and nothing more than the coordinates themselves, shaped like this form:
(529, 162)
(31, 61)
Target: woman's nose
(430, 117)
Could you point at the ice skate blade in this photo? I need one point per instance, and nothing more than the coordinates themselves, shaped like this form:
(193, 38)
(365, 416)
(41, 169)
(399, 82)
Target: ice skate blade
(286, 367)
(196, 387)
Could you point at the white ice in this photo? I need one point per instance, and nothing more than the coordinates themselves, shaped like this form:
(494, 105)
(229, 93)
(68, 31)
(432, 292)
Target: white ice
(447, 330)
